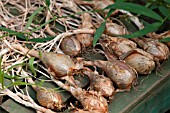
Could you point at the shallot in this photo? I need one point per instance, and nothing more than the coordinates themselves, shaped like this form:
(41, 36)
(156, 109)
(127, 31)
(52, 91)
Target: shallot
(140, 60)
(85, 39)
(113, 29)
(58, 65)
(117, 45)
(70, 46)
(118, 71)
(90, 100)
(100, 83)
(47, 97)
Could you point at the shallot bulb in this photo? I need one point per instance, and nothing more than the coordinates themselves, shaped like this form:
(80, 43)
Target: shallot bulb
(49, 98)
(90, 100)
(113, 29)
(118, 71)
(70, 46)
(117, 45)
(58, 65)
(100, 83)
(159, 50)
(140, 60)
(85, 39)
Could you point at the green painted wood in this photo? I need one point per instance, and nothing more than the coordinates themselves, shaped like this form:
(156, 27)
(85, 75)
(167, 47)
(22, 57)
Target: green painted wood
(157, 102)
(13, 107)
(134, 100)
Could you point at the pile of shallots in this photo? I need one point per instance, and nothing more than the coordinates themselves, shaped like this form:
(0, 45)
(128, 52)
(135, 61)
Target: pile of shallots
(124, 60)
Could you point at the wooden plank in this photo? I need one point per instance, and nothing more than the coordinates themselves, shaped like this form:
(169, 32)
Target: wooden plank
(156, 102)
(13, 107)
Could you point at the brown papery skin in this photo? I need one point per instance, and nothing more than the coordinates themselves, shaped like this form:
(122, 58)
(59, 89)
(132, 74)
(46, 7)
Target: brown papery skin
(90, 100)
(58, 65)
(49, 98)
(126, 50)
(118, 71)
(101, 84)
(70, 46)
(118, 45)
(141, 61)
(159, 50)
(113, 29)
(85, 39)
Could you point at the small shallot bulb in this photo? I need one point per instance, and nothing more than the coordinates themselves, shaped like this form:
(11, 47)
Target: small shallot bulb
(90, 100)
(113, 29)
(118, 71)
(118, 45)
(157, 49)
(140, 60)
(70, 46)
(49, 98)
(85, 39)
(101, 84)
(58, 65)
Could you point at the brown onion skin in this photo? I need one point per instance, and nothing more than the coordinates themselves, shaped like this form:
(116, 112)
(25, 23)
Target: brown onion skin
(118, 71)
(113, 29)
(85, 39)
(101, 84)
(90, 100)
(140, 60)
(58, 64)
(49, 98)
(93, 101)
(117, 45)
(70, 46)
(157, 49)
